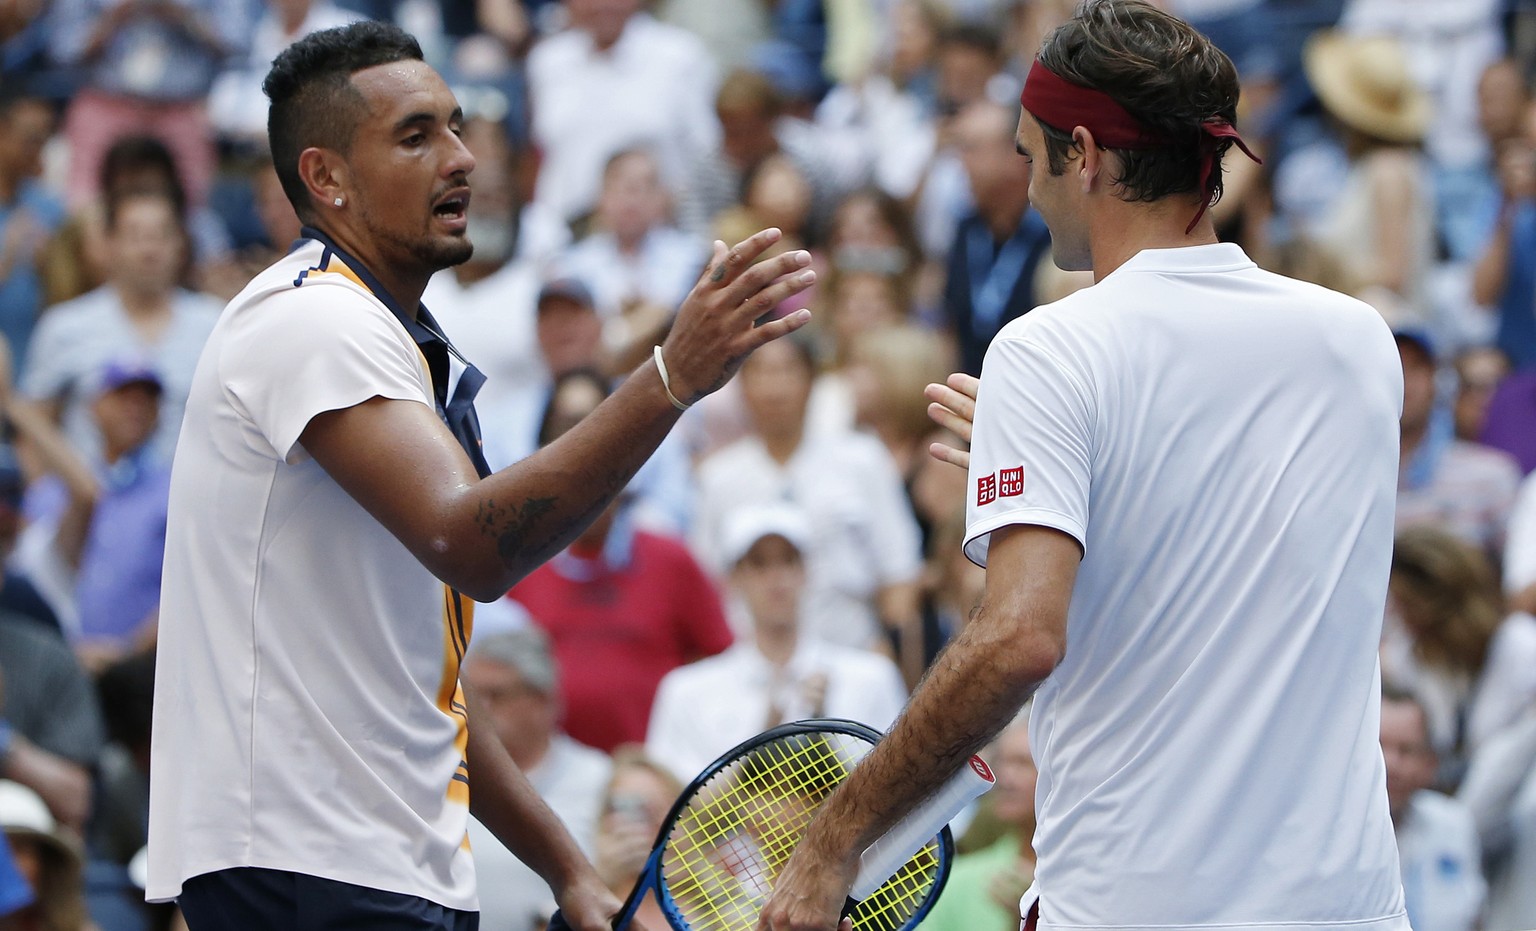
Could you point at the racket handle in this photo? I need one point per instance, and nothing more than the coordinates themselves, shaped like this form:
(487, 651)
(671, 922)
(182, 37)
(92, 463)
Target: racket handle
(885, 856)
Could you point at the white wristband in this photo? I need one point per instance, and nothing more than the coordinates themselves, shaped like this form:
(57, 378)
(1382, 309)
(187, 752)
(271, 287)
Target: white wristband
(661, 369)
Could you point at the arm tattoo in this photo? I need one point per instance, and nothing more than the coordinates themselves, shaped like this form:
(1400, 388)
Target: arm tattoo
(512, 525)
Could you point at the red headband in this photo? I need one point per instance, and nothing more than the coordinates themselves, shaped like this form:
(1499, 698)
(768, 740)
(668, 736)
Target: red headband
(1062, 105)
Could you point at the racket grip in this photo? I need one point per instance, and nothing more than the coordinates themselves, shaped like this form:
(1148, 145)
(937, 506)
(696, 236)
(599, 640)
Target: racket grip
(885, 856)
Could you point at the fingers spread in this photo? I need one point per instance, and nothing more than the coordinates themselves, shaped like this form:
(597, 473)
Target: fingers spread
(783, 326)
(764, 273)
(950, 455)
(741, 256)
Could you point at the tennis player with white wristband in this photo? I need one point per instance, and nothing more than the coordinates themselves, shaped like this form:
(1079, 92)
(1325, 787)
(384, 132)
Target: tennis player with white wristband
(1182, 487)
(330, 512)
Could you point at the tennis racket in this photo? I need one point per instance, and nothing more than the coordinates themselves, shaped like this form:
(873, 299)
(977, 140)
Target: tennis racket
(734, 828)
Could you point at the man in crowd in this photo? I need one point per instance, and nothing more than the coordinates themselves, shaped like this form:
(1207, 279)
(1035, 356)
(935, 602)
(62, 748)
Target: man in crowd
(777, 673)
(1437, 841)
(1155, 463)
(329, 502)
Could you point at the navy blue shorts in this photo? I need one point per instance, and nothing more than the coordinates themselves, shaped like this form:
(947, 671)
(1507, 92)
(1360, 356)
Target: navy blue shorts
(252, 899)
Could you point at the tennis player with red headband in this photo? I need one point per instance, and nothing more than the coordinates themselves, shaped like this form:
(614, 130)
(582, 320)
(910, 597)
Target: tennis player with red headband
(1182, 489)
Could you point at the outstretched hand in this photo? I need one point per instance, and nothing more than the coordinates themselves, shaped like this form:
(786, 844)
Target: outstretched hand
(714, 331)
(953, 407)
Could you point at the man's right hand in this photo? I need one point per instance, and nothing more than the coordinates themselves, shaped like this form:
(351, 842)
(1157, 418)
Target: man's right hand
(714, 331)
(953, 407)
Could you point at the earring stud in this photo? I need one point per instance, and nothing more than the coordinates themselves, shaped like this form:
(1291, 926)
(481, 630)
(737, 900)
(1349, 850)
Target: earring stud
(338, 201)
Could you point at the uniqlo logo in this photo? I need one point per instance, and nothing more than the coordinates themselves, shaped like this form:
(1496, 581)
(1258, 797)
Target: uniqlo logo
(1010, 482)
(986, 489)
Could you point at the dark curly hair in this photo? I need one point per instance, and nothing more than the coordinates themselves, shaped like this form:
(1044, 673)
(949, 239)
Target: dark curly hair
(1166, 74)
(313, 100)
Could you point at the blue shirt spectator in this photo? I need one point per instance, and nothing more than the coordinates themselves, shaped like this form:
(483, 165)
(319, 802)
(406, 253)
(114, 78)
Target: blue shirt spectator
(29, 215)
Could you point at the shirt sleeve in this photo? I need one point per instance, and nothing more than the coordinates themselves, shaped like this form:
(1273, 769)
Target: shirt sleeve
(1031, 448)
(314, 349)
(897, 542)
(71, 728)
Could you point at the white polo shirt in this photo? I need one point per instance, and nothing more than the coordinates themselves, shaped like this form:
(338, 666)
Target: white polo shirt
(307, 710)
(1222, 442)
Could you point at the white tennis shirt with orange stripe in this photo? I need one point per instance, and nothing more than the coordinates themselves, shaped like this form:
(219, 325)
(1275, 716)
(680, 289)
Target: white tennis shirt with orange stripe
(308, 715)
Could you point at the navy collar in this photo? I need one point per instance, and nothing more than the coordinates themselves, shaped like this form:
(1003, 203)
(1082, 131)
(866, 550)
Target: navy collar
(458, 411)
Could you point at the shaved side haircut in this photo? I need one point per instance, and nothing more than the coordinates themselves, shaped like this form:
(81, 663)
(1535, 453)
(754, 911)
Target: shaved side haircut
(314, 104)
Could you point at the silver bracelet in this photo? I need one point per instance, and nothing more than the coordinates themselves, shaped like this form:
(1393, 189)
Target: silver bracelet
(661, 369)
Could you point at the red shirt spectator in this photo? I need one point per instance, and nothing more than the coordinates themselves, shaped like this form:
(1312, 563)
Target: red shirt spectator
(622, 611)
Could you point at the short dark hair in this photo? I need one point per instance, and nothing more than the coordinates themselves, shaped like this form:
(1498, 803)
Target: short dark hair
(121, 198)
(1160, 69)
(313, 100)
(132, 154)
(978, 37)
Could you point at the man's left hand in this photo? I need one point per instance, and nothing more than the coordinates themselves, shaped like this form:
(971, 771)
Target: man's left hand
(809, 894)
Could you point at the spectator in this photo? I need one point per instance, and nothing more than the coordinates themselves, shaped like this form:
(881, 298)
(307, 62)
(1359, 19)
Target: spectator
(1500, 788)
(1520, 554)
(1443, 886)
(29, 214)
(140, 310)
(1442, 481)
(15, 893)
(512, 676)
(1504, 276)
(615, 80)
(1511, 411)
(48, 858)
(487, 304)
(1479, 370)
(1380, 224)
(999, 245)
(887, 116)
(50, 728)
(622, 606)
(858, 303)
(146, 65)
(117, 543)
(755, 123)
(1473, 669)
(118, 827)
(985, 885)
(637, 264)
(863, 565)
(776, 674)
(638, 798)
(237, 107)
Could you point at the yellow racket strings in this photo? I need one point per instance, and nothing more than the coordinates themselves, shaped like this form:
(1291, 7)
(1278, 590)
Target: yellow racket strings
(736, 834)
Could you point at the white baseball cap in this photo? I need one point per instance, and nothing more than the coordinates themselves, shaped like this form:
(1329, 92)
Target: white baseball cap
(745, 525)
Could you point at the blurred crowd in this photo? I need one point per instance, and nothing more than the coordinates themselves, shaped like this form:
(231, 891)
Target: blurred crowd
(792, 550)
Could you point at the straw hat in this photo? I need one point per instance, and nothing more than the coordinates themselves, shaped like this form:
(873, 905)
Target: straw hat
(1365, 82)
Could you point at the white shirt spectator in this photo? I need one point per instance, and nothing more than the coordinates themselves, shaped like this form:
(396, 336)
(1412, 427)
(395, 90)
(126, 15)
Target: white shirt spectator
(1500, 789)
(864, 536)
(75, 340)
(1477, 710)
(661, 272)
(1437, 844)
(492, 323)
(890, 132)
(654, 88)
(1520, 542)
(571, 778)
(236, 104)
(1448, 45)
(706, 708)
